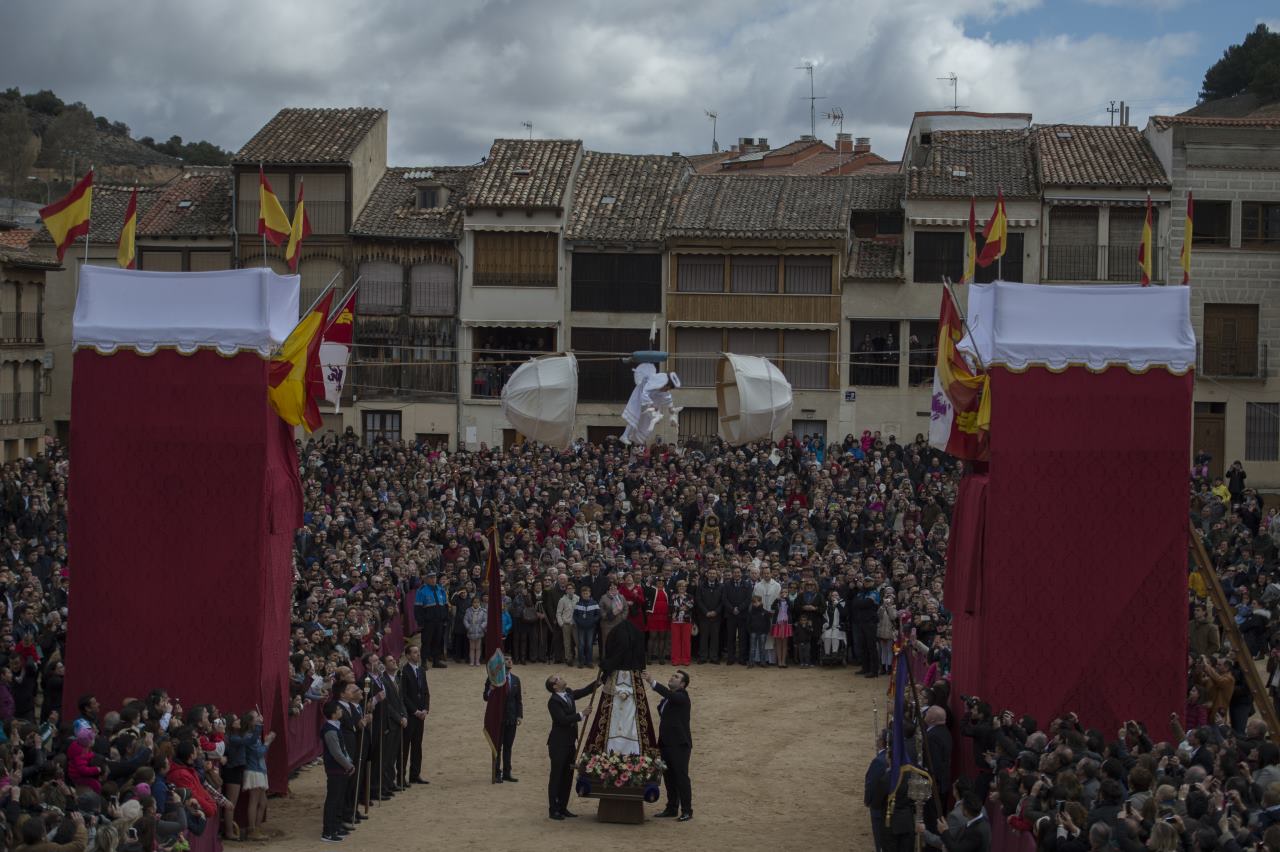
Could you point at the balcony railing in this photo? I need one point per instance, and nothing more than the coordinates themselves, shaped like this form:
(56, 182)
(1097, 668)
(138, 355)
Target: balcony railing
(1232, 361)
(19, 407)
(376, 380)
(1073, 262)
(488, 380)
(25, 327)
(1122, 263)
(877, 371)
(326, 217)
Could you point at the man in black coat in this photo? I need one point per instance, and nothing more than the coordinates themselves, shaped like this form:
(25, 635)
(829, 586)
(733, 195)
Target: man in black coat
(864, 612)
(737, 600)
(974, 835)
(937, 740)
(676, 743)
(417, 704)
(512, 716)
(562, 742)
(395, 722)
(709, 603)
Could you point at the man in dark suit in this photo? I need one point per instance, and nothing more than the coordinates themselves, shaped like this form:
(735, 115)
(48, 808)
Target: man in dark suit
(562, 742)
(974, 835)
(937, 741)
(676, 742)
(512, 716)
(352, 726)
(395, 722)
(417, 704)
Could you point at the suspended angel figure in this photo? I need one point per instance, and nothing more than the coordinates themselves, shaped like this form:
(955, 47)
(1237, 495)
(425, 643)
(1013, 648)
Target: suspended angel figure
(650, 402)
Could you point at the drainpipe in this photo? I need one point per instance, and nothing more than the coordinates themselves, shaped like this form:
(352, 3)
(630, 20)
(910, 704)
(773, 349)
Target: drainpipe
(457, 347)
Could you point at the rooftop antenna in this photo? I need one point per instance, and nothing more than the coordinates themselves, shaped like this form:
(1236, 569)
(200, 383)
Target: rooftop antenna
(715, 146)
(813, 115)
(954, 80)
(1113, 110)
(836, 116)
(528, 125)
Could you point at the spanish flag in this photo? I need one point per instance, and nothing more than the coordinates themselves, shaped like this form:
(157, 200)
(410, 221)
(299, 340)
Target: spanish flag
(961, 411)
(995, 235)
(970, 246)
(1188, 232)
(298, 231)
(272, 223)
(127, 252)
(68, 218)
(295, 381)
(1144, 248)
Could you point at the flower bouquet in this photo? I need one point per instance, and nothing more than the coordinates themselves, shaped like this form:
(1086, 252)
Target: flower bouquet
(612, 774)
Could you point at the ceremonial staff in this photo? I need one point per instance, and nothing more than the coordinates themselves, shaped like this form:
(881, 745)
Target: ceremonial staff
(360, 752)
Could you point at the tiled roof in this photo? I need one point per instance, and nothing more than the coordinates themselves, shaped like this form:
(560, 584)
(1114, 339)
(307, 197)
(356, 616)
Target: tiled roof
(107, 217)
(763, 207)
(876, 192)
(881, 169)
(11, 256)
(1092, 155)
(875, 260)
(1164, 122)
(624, 197)
(392, 210)
(194, 204)
(310, 136)
(17, 238)
(833, 163)
(960, 163)
(525, 173)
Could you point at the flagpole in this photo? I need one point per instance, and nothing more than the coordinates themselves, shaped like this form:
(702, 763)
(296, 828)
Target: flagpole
(90, 228)
(326, 289)
(343, 300)
(926, 757)
(264, 230)
(946, 283)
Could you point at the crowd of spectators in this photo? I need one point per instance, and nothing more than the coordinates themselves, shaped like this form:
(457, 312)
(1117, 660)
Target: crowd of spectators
(794, 554)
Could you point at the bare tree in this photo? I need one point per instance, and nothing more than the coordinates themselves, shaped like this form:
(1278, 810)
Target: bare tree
(69, 141)
(19, 148)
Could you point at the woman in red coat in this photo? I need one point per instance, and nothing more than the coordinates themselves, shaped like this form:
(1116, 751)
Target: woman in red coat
(634, 596)
(657, 623)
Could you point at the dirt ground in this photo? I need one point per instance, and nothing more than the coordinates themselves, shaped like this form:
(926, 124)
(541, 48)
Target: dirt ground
(778, 763)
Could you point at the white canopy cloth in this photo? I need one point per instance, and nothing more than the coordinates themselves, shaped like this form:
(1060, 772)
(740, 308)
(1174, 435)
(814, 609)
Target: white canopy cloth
(231, 310)
(1096, 326)
(753, 397)
(541, 397)
(650, 401)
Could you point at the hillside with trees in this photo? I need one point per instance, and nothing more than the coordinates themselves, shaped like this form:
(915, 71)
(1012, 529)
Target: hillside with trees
(41, 134)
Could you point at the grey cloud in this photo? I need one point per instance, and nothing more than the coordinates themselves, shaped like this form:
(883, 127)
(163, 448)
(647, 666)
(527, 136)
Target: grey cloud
(632, 77)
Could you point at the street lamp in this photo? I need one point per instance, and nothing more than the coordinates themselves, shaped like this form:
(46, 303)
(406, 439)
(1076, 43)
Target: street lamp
(46, 187)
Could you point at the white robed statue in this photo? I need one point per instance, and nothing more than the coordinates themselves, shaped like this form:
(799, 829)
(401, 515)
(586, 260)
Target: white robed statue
(650, 402)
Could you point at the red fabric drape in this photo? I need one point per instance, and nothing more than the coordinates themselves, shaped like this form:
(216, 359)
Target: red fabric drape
(1067, 565)
(184, 499)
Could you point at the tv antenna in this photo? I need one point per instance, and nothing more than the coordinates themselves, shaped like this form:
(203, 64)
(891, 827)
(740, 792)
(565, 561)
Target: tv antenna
(813, 116)
(715, 146)
(528, 125)
(954, 80)
(836, 116)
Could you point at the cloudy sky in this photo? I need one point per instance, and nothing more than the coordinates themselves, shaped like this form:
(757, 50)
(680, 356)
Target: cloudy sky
(623, 76)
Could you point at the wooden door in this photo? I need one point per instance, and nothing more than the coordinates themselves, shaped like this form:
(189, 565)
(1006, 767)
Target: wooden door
(1230, 340)
(1210, 435)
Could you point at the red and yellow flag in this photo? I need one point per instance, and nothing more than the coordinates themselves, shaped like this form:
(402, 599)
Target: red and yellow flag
(1144, 248)
(1188, 232)
(961, 416)
(126, 251)
(970, 246)
(995, 235)
(295, 381)
(272, 223)
(68, 218)
(298, 231)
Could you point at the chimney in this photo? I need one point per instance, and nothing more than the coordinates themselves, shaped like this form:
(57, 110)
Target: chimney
(862, 145)
(763, 144)
(844, 143)
(746, 143)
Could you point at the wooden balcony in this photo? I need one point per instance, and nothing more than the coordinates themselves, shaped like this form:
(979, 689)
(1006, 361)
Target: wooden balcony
(762, 308)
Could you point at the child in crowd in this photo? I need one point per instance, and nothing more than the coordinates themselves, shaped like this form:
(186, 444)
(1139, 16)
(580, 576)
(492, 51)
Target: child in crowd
(758, 630)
